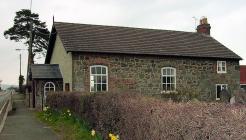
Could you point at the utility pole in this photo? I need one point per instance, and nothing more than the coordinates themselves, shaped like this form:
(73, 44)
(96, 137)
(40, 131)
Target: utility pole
(20, 64)
(20, 58)
(20, 77)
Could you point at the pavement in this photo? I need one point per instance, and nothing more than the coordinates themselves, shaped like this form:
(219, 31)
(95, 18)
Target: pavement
(22, 124)
(3, 95)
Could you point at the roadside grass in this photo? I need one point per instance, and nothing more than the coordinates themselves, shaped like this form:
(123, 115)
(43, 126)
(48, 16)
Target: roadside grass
(67, 125)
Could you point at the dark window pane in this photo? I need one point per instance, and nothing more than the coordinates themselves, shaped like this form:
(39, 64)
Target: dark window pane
(218, 91)
(98, 70)
(103, 70)
(99, 87)
(104, 79)
(168, 79)
(164, 87)
(164, 79)
(99, 80)
(223, 68)
(218, 95)
(104, 87)
(93, 70)
(168, 87)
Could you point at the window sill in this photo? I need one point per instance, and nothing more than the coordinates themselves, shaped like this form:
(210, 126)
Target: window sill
(98, 91)
(221, 72)
(169, 92)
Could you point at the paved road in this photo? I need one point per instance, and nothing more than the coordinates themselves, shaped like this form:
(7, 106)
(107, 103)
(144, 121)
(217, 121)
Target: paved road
(22, 125)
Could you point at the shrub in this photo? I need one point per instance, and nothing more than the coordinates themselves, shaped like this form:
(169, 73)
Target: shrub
(137, 117)
(240, 96)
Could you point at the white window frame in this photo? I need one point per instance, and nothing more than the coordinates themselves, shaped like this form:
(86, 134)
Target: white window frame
(102, 66)
(221, 90)
(220, 65)
(165, 75)
(49, 87)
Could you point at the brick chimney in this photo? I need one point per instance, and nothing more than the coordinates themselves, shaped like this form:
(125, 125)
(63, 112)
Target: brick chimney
(204, 27)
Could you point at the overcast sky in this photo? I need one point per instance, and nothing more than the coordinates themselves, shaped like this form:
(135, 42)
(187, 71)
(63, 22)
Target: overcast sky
(227, 19)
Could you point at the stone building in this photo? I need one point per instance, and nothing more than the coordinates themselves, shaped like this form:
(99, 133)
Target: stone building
(96, 58)
(44, 78)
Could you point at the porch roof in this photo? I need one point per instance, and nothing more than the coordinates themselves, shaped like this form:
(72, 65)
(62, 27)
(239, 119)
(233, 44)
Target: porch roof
(46, 71)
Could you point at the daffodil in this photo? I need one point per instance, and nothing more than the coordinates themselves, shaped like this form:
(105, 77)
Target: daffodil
(93, 132)
(118, 137)
(113, 137)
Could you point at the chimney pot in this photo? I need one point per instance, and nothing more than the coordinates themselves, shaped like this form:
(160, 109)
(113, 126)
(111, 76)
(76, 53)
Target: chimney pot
(204, 26)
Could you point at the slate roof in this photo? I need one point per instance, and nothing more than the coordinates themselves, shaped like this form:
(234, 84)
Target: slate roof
(243, 74)
(127, 40)
(46, 71)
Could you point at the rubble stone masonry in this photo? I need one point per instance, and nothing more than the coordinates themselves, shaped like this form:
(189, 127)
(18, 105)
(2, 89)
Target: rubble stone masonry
(142, 73)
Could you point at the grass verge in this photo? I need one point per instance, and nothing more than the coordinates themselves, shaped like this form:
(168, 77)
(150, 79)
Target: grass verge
(67, 125)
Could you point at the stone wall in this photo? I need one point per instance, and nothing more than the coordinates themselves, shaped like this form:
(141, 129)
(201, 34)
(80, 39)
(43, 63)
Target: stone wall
(40, 90)
(143, 73)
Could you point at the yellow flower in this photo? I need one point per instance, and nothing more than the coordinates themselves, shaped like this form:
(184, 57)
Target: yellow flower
(45, 108)
(68, 110)
(69, 114)
(93, 132)
(113, 137)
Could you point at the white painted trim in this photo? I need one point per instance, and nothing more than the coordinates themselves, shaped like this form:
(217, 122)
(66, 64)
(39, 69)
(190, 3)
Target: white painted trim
(242, 84)
(221, 67)
(217, 99)
(174, 75)
(102, 66)
(48, 87)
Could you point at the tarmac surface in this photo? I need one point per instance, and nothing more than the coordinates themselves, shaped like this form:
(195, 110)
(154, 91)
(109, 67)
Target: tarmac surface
(22, 124)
